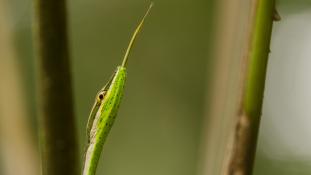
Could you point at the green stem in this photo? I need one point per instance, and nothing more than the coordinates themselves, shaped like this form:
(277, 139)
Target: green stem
(58, 139)
(259, 52)
(246, 132)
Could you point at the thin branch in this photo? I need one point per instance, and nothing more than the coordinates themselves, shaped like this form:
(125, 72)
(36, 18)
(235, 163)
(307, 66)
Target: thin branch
(230, 42)
(241, 53)
(58, 139)
(246, 131)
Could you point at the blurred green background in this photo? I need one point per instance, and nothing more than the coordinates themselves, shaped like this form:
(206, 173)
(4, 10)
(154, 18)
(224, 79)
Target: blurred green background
(158, 129)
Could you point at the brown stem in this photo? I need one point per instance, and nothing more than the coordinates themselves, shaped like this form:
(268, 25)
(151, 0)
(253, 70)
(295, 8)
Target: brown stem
(58, 137)
(246, 132)
(241, 53)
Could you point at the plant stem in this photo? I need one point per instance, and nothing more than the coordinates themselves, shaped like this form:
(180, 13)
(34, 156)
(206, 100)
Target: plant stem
(231, 42)
(246, 132)
(58, 139)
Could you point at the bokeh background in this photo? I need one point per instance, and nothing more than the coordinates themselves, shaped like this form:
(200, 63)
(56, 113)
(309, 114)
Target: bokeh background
(159, 128)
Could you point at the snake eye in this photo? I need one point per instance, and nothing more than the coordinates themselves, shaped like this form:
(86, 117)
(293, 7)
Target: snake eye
(101, 96)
